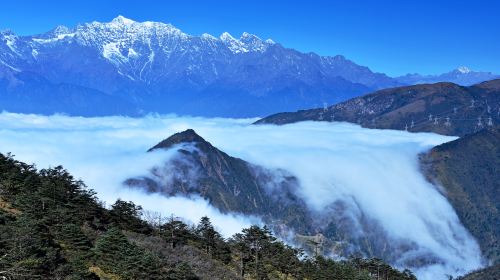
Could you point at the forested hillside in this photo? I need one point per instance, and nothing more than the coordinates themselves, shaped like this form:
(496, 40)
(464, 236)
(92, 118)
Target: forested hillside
(53, 227)
(469, 171)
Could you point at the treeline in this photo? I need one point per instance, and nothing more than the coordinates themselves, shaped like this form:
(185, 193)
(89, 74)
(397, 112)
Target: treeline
(53, 227)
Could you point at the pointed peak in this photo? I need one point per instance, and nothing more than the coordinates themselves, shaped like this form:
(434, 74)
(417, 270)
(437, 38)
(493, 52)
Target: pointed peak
(59, 30)
(187, 136)
(247, 37)
(226, 37)
(123, 20)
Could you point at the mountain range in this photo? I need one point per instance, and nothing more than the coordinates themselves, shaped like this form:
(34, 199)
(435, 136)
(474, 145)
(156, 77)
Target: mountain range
(133, 68)
(462, 76)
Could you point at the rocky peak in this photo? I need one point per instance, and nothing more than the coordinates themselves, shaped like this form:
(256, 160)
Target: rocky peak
(187, 136)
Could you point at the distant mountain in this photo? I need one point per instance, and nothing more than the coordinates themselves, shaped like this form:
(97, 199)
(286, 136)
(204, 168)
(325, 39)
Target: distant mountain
(443, 108)
(462, 76)
(468, 169)
(156, 67)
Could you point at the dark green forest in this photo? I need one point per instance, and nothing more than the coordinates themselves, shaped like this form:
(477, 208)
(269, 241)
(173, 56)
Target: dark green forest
(54, 227)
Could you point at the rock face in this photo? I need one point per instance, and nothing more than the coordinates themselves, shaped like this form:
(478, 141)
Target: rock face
(468, 169)
(230, 184)
(158, 68)
(443, 108)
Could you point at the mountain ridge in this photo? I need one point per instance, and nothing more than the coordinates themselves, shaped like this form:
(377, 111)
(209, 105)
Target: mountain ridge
(443, 108)
(462, 75)
(159, 68)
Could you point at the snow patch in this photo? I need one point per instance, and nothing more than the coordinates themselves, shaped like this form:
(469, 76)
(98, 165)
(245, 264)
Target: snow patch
(132, 53)
(463, 70)
(9, 66)
(55, 39)
(111, 51)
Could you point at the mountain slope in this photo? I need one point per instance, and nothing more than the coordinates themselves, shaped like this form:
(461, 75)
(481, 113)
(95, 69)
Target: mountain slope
(443, 108)
(28, 92)
(159, 68)
(468, 169)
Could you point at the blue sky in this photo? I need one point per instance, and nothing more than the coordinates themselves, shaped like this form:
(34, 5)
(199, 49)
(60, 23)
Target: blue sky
(394, 37)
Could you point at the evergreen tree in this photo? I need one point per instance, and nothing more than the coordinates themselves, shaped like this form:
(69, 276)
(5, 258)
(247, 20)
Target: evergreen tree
(127, 215)
(175, 232)
(207, 234)
(115, 254)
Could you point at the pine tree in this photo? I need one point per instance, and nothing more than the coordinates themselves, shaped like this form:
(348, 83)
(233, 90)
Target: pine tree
(126, 215)
(175, 232)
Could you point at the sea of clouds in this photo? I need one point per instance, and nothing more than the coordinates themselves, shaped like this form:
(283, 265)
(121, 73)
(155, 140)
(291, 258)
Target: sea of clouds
(374, 172)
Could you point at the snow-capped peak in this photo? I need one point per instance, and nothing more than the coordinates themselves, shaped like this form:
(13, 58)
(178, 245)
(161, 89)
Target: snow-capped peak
(226, 37)
(463, 70)
(122, 20)
(270, 41)
(247, 35)
(247, 42)
(61, 29)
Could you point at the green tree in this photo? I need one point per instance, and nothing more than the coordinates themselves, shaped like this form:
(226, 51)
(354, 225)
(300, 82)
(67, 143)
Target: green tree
(115, 254)
(175, 232)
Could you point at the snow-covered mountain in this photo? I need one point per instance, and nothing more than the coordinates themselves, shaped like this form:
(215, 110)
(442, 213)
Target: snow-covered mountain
(462, 76)
(128, 67)
(155, 67)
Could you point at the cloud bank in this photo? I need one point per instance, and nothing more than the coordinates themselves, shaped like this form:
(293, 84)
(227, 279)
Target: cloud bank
(373, 173)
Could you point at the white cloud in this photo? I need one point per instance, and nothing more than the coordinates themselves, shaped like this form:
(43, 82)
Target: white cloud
(375, 172)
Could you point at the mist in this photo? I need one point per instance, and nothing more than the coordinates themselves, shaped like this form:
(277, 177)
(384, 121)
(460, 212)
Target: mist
(373, 173)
